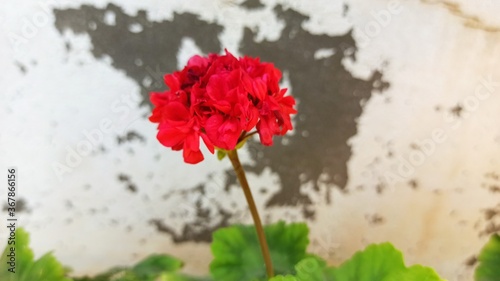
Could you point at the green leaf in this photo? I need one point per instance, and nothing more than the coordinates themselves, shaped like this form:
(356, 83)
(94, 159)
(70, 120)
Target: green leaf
(237, 254)
(309, 269)
(149, 269)
(221, 153)
(373, 264)
(284, 278)
(181, 277)
(414, 273)
(26, 269)
(241, 143)
(489, 261)
(107, 276)
(155, 265)
(380, 262)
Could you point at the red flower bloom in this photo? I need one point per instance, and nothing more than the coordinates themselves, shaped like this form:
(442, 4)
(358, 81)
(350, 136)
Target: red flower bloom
(220, 98)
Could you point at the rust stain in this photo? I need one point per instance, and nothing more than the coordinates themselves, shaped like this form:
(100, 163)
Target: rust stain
(431, 222)
(469, 20)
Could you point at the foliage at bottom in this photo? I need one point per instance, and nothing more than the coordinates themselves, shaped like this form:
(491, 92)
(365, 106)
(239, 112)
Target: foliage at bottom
(237, 258)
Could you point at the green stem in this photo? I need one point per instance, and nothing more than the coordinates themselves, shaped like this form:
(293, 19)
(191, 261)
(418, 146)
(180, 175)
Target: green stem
(233, 156)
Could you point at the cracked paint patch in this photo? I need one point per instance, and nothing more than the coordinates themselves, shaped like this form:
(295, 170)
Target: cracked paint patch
(331, 101)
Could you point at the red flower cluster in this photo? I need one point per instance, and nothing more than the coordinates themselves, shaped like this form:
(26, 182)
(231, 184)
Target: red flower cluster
(220, 98)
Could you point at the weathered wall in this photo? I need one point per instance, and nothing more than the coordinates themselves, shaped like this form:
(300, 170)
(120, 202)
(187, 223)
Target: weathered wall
(396, 139)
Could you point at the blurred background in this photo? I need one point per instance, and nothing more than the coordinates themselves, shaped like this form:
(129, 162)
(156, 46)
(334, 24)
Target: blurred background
(397, 136)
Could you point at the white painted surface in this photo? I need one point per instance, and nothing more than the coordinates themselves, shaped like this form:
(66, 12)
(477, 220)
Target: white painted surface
(432, 59)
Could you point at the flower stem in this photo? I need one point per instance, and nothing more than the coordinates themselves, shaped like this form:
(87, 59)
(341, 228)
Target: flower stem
(233, 156)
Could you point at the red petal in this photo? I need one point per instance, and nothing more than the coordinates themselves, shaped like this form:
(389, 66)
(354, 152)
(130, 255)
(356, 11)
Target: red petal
(223, 106)
(212, 128)
(192, 141)
(217, 87)
(266, 131)
(156, 115)
(253, 118)
(230, 132)
(170, 137)
(191, 156)
(223, 133)
(176, 111)
(158, 98)
(172, 81)
(208, 143)
(197, 61)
